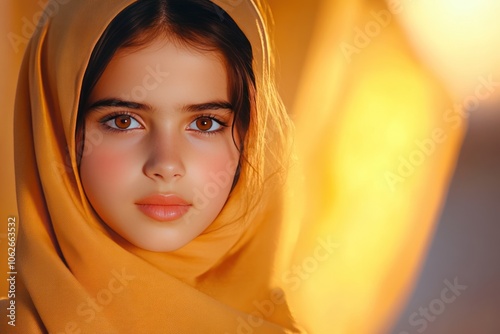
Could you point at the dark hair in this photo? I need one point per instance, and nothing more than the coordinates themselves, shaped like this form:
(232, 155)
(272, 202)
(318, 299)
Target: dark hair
(199, 24)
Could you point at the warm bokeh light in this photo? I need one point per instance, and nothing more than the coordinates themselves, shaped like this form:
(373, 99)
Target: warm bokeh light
(376, 153)
(459, 39)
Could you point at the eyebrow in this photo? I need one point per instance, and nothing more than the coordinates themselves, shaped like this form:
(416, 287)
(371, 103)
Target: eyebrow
(107, 103)
(113, 102)
(215, 105)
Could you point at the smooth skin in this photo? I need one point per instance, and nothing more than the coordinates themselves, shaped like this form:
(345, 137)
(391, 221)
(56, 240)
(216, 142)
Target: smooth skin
(164, 115)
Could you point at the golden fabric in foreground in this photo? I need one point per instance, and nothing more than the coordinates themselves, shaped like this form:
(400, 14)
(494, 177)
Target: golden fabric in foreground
(374, 155)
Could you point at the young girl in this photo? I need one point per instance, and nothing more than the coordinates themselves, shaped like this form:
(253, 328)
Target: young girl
(150, 146)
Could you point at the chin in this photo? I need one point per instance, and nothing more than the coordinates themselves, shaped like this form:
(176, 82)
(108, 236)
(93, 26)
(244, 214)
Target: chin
(160, 246)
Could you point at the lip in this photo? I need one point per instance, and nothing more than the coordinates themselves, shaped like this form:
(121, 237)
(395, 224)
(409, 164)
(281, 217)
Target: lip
(163, 207)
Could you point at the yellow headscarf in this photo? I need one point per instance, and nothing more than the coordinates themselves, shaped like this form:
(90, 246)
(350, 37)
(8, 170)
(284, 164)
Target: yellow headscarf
(77, 276)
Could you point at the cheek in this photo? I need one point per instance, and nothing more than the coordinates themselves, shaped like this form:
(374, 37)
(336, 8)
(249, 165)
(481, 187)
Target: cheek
(219, 164)
(105, 169)
(207, 156)
(213, 173)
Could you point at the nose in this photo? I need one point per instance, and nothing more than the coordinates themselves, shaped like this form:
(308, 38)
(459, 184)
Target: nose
(164, 161)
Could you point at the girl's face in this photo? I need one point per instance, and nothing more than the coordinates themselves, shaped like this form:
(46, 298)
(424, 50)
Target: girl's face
(160, 160)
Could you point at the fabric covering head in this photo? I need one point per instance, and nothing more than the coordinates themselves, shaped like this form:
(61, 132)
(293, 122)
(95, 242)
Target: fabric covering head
(77, 274)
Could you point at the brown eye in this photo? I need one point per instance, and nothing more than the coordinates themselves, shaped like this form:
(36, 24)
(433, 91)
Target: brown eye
(123, 121)
(204, 123)
(207, 125)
